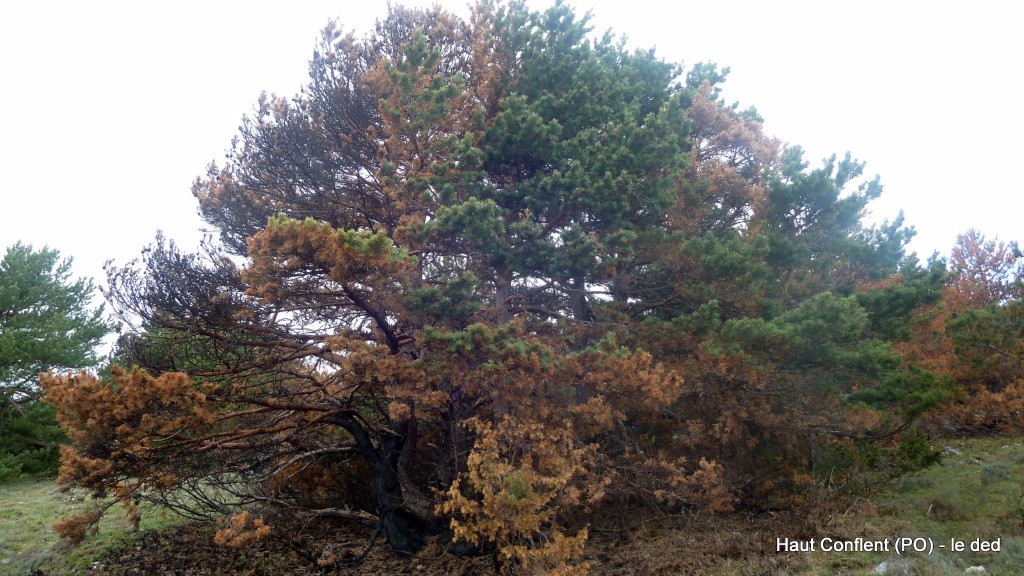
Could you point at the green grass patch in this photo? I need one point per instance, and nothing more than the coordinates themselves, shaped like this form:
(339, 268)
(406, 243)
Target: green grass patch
(975, 492)
(29, 509)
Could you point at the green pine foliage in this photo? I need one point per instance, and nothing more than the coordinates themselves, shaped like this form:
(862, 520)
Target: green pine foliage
(46, 323)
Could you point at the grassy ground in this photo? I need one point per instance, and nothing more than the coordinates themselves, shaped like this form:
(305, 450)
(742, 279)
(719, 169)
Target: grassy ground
(28, 544)
(977, 492)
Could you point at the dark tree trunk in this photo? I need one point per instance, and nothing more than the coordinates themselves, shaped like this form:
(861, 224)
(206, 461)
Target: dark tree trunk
(502, 293)
(406, 530)
(578, 301)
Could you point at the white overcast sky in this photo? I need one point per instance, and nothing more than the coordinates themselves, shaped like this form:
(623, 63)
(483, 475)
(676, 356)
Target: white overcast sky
(110, 110)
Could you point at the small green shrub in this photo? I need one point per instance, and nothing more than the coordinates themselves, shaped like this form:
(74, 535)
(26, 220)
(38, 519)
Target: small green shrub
(913, 483)
(10, 468)
(945, 507)
(994, 473)
(915, 452)
(29, 442)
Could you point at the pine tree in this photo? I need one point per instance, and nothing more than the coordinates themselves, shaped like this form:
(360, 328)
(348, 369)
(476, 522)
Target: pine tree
(482, 276)
(45, 324)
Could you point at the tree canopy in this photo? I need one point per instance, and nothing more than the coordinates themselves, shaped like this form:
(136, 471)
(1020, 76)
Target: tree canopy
(45, 319)
(483, 276)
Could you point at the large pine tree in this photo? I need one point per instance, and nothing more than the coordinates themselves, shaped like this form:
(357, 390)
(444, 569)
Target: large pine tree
(482, 275)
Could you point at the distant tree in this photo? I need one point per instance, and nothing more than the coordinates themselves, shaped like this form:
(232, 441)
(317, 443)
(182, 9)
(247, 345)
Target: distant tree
(46, 323)
(985, 328)
(985, 271)
(973, 337)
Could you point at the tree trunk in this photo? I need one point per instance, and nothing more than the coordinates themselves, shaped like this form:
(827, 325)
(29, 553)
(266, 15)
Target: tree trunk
(502, 293)
(578, 301)
(405, 530)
